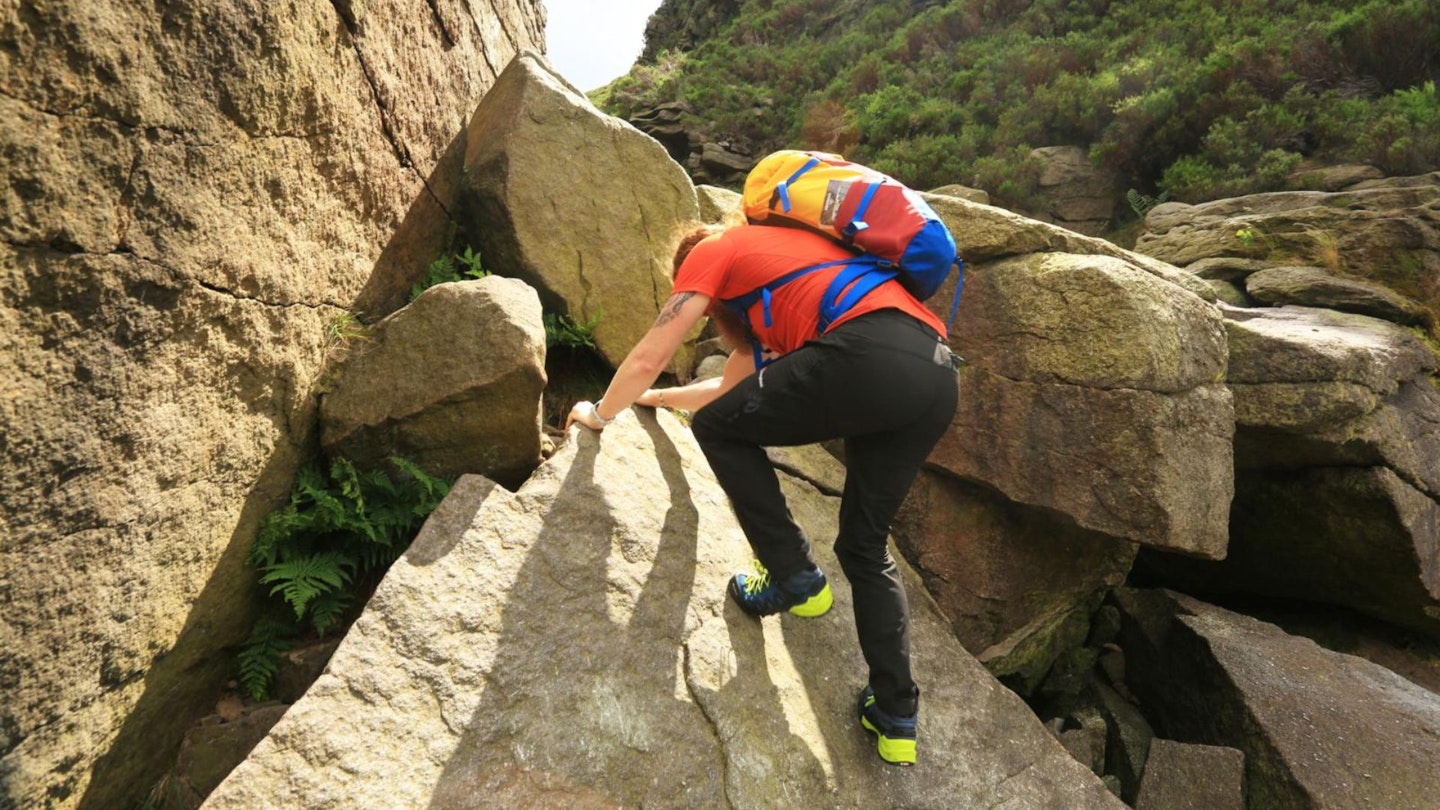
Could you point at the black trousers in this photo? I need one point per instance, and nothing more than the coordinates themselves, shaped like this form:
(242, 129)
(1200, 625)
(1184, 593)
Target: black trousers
(884, 383)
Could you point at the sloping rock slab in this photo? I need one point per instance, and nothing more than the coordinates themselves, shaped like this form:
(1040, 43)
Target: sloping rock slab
(571, 643)
(984, 232)
(452, 382)
(579, 204)
(1319, 729)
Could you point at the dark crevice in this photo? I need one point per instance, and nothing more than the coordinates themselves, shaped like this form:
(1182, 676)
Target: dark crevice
(402, 154)
(447, 38)
(347, 16)
(218, 290)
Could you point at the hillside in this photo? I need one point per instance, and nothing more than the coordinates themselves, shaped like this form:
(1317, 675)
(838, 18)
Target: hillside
(1196, 99)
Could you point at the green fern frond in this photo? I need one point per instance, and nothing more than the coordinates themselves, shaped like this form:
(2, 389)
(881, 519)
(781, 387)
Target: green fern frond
(259, 656)
(327, 609)
(300, 580)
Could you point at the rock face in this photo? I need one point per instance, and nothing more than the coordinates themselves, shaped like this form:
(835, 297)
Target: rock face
(1338, 448)
(1318, 729)
(1184, 776)
(720, 205)
(1017, 584)
(1314, 287)
(571, 643)
(451, 382)
(581, 205)
(974, 195)
(1386, 232)
(1332, 178)
(1077, 195)
(1094, 390)
(193, 191)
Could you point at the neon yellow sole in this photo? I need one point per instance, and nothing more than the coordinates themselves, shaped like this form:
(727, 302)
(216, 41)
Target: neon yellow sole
(817, 605)
(895, 752)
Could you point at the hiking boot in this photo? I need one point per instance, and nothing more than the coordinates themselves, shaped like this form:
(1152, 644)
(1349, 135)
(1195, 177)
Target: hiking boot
(805, 593)
(897, 734)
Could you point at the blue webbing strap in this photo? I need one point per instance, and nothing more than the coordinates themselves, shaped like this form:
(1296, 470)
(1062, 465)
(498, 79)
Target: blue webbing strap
(783, 189)
(741, 304)
(959, 283)
(857, 222)
(860, 277)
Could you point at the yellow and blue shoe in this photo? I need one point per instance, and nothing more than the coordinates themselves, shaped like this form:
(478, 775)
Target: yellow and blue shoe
(896, 734)
(806, 593)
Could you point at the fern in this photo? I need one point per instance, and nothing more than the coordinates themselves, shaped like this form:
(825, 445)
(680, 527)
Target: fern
(259, 656)
(341, 528)
(562, 330)
(444, 269)
(1143, 204)
(300, 580)
(327, 609)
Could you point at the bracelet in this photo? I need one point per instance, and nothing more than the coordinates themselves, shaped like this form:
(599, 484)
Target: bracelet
(595, 412)
(661, 400)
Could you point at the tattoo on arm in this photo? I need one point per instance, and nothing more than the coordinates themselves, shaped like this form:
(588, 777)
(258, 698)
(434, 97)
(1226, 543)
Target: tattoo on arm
(671, 310)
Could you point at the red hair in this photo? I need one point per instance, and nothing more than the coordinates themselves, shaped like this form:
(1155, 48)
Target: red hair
(731, 328)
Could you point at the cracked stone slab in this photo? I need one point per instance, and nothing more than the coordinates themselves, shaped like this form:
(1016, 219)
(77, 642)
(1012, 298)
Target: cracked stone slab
(571, 642)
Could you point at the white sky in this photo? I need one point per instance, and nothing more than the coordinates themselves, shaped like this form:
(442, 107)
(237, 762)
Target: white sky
(593, 42)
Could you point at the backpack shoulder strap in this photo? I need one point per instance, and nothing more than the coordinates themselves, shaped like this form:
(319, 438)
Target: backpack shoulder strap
(742, 303)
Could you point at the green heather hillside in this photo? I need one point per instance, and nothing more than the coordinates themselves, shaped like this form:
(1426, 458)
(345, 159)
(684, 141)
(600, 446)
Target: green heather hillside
(1196, 98)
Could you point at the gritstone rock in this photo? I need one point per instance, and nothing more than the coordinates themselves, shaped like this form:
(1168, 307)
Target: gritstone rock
(196, 190)
(451, 382)
(579, 204)
(573, 640)
(1318, 728)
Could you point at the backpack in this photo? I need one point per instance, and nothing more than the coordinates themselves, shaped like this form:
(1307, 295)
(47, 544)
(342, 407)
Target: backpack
(896, 233)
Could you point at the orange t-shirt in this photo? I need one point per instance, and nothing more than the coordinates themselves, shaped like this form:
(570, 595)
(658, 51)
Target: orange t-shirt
(744, 258)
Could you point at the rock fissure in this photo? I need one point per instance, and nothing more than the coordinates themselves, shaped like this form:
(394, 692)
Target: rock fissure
(218, 290)
(402, 154)
(505, 29)
(446, 36)
(1007, 779)
(1118, 389)
(710, 721)
(484, 52)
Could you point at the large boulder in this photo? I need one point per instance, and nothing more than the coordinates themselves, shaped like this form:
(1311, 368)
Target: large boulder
(1094, 390)
(1076, 194)
(1017, 584)
(572, 643)
(1319, 729)
(1338, 450)
(193, 192)
(451, 382)
(720, 205)
(581, 205)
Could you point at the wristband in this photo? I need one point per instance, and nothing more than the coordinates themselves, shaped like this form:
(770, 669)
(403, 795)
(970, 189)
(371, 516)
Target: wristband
(595, 412)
